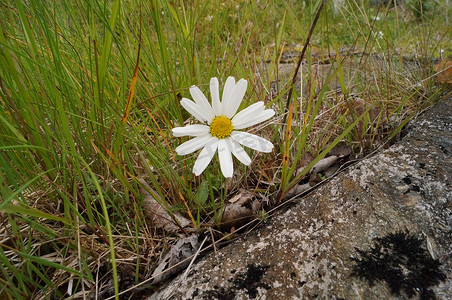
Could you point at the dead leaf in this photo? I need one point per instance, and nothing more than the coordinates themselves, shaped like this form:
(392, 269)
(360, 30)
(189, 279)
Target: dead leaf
(155, 212)
(182, 250)
(242, 197)
(298, 189)
(324, 164)
(340, 151)
(331, 170)
(315, 178)
(445, 67)
(235, 198)
(239, 210)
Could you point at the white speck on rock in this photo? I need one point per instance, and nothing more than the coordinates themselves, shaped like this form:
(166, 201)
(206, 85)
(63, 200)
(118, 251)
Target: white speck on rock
(258, 246)
(362, 174)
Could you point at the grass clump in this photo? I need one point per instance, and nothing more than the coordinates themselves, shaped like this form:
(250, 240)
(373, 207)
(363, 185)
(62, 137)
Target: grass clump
(90, 90)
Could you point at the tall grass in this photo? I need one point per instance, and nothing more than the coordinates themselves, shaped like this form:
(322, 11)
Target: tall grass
(90, 90)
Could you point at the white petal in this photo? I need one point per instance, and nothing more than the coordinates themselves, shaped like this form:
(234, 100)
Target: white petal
(248, 113)
(238, 151)
(205, 156)
(193, 109)
(193, 144)
(252, 141)
(227, 91)
(215, 94)
(224, 154)
(201, 100)
(191, 130)
(261, 117)
(235, 98)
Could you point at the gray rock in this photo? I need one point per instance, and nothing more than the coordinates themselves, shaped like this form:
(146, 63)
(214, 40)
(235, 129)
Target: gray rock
(306, 250)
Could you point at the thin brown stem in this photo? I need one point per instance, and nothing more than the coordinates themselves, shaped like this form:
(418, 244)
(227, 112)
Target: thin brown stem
(301, 55)
(290, 106)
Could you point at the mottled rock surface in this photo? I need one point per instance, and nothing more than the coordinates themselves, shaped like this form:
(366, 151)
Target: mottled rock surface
(305, 251)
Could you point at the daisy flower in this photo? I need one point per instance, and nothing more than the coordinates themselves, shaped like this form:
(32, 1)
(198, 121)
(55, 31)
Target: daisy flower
(221, 125)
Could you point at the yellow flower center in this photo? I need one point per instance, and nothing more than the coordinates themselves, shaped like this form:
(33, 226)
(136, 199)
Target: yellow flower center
(221, 127)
